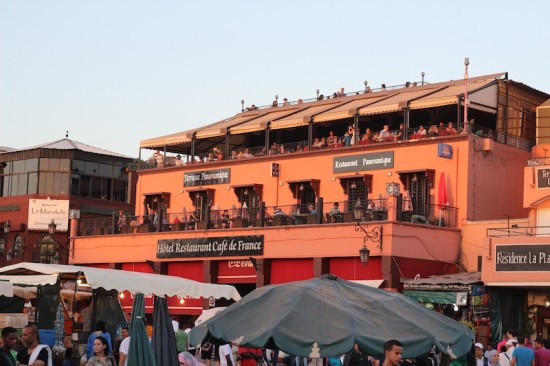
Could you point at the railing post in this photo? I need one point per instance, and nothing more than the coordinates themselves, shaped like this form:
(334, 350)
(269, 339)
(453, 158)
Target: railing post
(262, 214)
(114, 219)
(319, 210)
(208, 219)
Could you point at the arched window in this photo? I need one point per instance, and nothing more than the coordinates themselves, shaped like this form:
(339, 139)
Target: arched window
(48, 248)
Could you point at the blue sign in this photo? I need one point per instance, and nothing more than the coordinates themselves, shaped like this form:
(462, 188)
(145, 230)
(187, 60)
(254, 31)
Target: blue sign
(445, 151)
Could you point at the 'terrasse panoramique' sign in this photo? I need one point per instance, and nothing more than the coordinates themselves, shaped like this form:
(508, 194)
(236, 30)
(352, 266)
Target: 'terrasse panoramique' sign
(211, 247)
(522, 258)
(206, 177)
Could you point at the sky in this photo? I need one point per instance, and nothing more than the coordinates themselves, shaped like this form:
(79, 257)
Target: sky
(114, 73)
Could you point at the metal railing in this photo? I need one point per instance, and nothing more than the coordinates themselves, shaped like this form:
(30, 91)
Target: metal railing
(515, 230)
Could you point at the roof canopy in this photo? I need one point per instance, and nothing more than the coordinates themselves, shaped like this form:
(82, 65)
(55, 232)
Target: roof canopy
(111, 279)
(384, 101)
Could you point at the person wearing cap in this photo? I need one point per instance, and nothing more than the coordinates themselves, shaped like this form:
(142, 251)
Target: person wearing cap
(522, 356)
(542, 354)
(480, 360)
(504, 357)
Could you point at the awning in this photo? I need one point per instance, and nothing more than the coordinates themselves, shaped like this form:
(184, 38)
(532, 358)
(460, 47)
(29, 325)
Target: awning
(395, 102)
(236, 271)
(435, 297)
(220, 128)
(449, 95)
(370, 283)
(168, 140)
(366, 178)
(347, 110)
(146, 283)
(260, 123)
(303, 117)
(257, 188)
(315, 183)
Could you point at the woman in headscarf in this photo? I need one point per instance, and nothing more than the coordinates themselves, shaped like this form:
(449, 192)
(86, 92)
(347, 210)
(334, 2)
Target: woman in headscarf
(187, 359)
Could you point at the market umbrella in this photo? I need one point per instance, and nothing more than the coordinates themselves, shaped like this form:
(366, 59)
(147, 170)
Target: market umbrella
(208, 313)
(442, 199)
(164, 340)
(140, 352)
(325, 316)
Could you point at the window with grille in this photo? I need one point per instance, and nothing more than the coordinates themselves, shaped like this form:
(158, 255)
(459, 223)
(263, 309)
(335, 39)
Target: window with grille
(418, 186)
(357, 190)
(249, 196)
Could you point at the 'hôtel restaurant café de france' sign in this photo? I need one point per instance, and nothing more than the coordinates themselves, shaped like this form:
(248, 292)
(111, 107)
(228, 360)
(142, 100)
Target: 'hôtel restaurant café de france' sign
(224, 246)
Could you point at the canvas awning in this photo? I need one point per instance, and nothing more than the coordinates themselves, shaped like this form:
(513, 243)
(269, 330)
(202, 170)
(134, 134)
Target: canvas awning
(260, 123)
(347, 110)
(395, 102)
(221, 128)
(110, 279)
(303, 117)
(168, 140)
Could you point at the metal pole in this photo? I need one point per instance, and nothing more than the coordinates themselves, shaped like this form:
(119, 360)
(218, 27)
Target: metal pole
(466, 85)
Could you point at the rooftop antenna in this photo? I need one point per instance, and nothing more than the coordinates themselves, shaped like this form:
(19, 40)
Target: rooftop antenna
(67, 134)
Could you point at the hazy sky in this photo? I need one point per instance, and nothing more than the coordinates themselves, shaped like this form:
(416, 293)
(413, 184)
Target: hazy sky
(114, 73)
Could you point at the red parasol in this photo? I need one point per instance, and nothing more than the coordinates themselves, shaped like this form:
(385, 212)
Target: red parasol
(442, 199)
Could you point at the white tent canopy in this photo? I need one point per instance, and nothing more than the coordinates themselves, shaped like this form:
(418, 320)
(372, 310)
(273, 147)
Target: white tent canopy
(111, 279)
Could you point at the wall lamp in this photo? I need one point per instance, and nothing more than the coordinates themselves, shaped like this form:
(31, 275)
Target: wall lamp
(373, 234)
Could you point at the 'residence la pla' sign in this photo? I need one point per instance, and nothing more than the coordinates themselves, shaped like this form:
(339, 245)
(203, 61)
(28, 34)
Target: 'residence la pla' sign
(211, 247)
(522, 258)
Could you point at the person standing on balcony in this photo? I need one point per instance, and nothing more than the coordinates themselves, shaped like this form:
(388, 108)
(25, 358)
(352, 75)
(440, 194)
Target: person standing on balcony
(178, 161)
(385, 132)
(121, 222)
(159, 159)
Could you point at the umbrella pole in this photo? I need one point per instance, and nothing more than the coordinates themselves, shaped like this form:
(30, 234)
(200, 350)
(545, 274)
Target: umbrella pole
(440, 216)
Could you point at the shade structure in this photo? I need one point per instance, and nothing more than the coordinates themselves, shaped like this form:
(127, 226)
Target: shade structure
(140, 352)
(111, 279)
(207, 314)
(442, 199)
(325, 316)
(164, 340)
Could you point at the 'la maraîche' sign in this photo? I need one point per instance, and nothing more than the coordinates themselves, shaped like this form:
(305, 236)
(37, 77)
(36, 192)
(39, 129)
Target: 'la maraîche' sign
(355, 163)
(211, 247)
(522, 258)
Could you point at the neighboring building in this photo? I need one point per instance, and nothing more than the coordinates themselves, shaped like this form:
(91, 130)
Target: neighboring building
(41, 184)
(414, 192)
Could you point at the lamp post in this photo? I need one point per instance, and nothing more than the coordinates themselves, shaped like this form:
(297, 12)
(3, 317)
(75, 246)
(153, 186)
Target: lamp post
(466, 86)
(317, 93)
(366, 85)
(422, 74)
(373, 234)
(242, 105)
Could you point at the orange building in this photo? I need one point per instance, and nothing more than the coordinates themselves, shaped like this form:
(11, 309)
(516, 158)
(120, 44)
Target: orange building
(250, 201)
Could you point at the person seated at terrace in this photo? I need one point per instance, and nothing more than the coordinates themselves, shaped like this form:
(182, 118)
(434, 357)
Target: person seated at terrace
(341, 93)
(315, 144)
(322, 143)
(275, 103)
(331, 139)
(385, 132)
(278, 212)
(298, 148)
(211, 157)
(252, 108)
(300, 101)
(312, 210)
(367, 137)
(376, 137)
(335, 214)
(421, 131)
(274, 149)
(433, 131)
(282, 149)
(218, 153)
(247, 153)
(176, 220)
(450, 128)
(285, 102)
(441, 126)
(401, 132)
(240, 155)
(233, 154)
(178, 161)
(225, 219)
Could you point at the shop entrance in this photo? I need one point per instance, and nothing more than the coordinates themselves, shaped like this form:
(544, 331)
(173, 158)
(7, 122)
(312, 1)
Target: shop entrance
(543, 322)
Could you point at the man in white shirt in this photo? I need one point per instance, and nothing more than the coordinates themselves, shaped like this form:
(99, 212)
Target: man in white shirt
(124, 348)
(226, 355)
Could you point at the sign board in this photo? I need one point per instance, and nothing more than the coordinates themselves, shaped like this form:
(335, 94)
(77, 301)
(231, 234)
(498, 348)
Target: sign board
(211, 247)
(522, 258)
(355, 163)
(42, 212)
(445, 151)
(543, 178)
(206, 177)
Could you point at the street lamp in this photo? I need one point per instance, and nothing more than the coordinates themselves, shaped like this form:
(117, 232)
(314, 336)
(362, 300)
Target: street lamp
(317, 93)
(374, 234)
(466, 86)
(242, 105)
(422, 74)
(366, 84)
(51, 227)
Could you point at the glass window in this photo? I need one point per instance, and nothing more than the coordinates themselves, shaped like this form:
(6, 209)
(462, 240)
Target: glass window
(64, 165)
(96, 187)
(119, 190)
(31, 165)
(64, 189)
(56, 189)
(14, 185)
(7, 168)
(44, 164)
(79, 166)
(54, 165)
(105, 170)
(22, 185)
(19, 166)
(85, 181)
(33, 183)
(45, 183)
(91, 168)
(75, 184)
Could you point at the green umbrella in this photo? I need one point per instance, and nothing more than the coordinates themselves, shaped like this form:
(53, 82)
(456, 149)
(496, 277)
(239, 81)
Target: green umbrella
(164, 339)
(140, 352)
(325, 316)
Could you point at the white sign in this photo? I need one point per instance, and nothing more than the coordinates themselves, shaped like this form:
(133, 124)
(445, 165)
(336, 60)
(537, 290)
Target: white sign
(42, 212)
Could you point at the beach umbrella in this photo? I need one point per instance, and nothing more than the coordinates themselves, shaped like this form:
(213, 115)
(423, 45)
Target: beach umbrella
(207, 314)
(140, 352)
(164, 340)
(442, 199)
(325, 316)
(244, 210)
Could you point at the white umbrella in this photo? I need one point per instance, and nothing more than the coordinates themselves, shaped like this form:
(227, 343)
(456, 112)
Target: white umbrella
(207, 314)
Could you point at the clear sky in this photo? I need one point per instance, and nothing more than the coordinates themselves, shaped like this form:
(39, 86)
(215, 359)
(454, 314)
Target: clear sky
(114, 73)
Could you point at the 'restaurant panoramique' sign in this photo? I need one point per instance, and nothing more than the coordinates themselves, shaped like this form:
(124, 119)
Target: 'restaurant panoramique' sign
(522, 258)
(211, 247)
(355, 163)
(206, 177)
